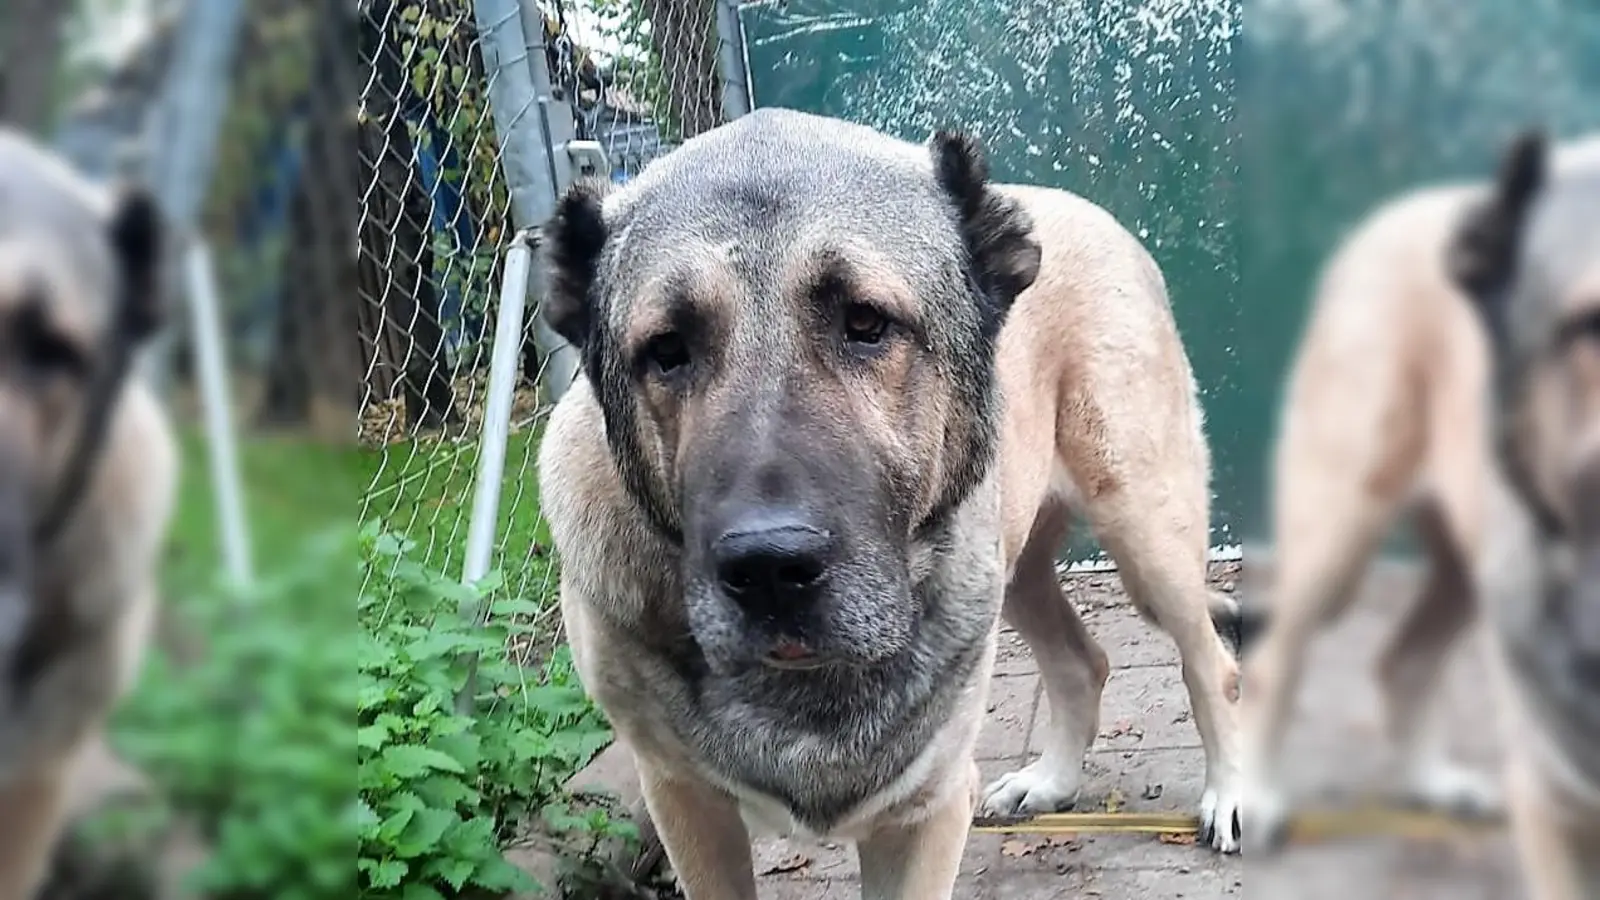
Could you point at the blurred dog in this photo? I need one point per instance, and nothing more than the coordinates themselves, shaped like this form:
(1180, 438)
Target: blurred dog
(1529, 256)
(87, 477)
(842, 394)
(1383, 417)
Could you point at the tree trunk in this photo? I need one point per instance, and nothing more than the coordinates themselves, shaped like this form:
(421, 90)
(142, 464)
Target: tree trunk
(30, 54)
(684, 36)
(315, 364)
(402, 341)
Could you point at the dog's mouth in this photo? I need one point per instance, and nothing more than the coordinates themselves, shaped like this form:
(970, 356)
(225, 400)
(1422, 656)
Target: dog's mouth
(793, 655)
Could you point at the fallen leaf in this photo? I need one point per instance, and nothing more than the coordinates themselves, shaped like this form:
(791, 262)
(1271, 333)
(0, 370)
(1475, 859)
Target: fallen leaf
(792, 863)
(1114, 801)
(1016, 849)
(1168, 837)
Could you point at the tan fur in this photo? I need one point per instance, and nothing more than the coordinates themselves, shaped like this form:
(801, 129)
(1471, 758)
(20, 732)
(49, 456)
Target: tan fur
(1385, 416)
(1553, 793)
(1102, 419)
(1382, 416)
(98, 573)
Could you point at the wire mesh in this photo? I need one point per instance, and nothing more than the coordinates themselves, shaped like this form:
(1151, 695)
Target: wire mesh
(635, 76)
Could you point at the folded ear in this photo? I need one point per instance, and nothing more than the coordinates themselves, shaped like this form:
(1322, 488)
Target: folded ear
(137, 236)
(1482, 257)
(573, 241)
(998, 232)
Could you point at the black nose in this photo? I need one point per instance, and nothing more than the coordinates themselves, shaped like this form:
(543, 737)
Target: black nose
(772, 559)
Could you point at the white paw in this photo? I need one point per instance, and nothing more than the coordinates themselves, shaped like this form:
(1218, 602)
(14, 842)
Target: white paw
(1455, 789)
(1264, 819)
(1221, 814)
(1041, 787)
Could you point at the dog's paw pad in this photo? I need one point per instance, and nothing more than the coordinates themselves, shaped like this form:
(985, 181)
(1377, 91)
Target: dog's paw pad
(1035, 790)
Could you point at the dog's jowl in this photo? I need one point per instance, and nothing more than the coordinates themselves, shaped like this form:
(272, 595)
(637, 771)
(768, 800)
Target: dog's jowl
(841, 396)
(87, 469)
(1529, 256)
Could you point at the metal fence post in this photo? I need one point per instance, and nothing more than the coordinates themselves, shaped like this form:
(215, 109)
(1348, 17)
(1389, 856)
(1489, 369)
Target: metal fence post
(180, 145)
(519, 90)
(734, 59)
(180, 137)
(485, 519)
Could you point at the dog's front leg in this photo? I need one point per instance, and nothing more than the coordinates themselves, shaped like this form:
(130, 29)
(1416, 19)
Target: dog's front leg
(1560, 852)
(33, 808)
(918, 861)
(702, 831)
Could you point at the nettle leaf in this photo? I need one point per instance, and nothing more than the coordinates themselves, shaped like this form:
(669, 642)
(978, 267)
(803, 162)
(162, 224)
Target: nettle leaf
(470, 835)
(416, 891)
(465, 748)
(410, 760)
(559, 818)
(446, 792)
(385, 873)
(496, 874)
(366, 818)
(394, 824)
(423, 833)
(371, 737)
(453, 872)
(556, 701)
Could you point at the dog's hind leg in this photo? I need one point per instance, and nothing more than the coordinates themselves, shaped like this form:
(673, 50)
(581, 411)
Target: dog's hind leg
(1410, 671)
(1327, 531)
(1072, 666)
(1159, 544)
(1558, 847)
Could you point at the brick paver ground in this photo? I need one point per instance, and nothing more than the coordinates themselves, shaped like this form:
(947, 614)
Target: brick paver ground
(1148, 753)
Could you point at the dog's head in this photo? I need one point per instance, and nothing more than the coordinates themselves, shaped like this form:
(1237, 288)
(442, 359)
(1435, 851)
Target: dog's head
(77, 271)
(1529, 256)
(790, 323)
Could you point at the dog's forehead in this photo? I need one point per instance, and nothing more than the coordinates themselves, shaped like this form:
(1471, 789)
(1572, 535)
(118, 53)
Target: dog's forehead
(53, 236)
(776, 176)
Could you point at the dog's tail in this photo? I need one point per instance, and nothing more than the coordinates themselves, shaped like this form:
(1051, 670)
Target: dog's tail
(1239, 624)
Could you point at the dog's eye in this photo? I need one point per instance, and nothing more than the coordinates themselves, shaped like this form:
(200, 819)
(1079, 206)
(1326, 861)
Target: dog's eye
(667, 352)
(49, 353)
(864, 325)
(43, 350)
(1582, 328)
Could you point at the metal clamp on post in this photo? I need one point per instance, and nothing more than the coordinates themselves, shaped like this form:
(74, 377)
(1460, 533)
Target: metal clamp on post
(588, 158)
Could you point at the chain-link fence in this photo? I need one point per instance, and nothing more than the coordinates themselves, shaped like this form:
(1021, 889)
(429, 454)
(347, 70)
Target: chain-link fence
(473, 117)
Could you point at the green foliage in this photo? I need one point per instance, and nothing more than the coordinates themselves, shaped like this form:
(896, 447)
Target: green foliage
(251, 739)
(442, 792)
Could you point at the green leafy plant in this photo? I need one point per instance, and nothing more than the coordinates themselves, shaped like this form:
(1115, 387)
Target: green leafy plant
(248, 734)
(444, 789)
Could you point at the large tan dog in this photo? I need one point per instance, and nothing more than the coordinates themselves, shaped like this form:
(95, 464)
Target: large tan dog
(1383, 418)
(841, 396)
(87, 476)
(1529, 256)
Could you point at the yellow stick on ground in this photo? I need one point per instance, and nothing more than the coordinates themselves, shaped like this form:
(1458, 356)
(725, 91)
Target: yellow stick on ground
(1308, 826)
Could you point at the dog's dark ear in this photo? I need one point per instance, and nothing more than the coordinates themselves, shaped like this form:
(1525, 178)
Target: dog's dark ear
(573, 240)
(137, 238)
(998, 231)
(1482, 257)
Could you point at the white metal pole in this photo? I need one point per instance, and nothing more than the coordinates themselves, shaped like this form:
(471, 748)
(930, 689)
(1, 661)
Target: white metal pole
(504, 368)
(208, 346)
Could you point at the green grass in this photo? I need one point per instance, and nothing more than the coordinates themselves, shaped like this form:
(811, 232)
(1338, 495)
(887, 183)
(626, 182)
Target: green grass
(294, 488)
